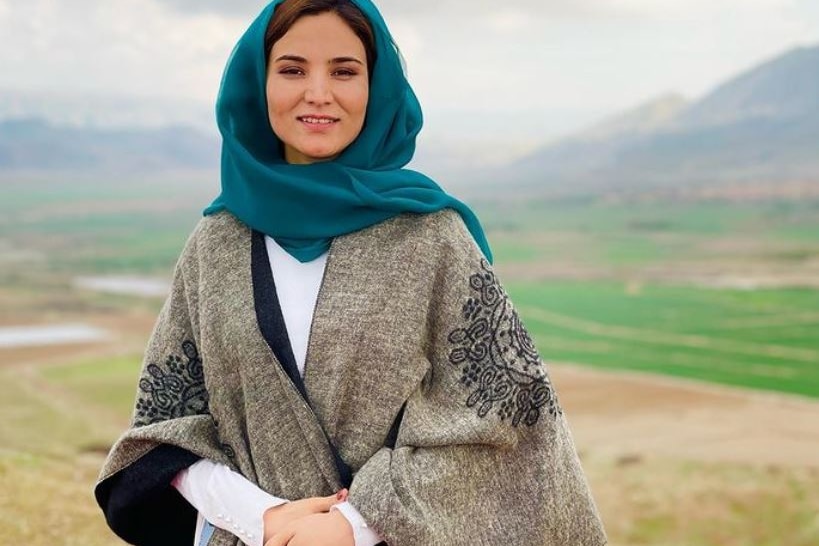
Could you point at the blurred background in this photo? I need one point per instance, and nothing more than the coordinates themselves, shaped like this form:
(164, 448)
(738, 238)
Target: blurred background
(647, 171)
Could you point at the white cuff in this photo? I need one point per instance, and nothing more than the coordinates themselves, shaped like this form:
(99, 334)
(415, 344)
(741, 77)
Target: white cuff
(364, 535)
(226, 499)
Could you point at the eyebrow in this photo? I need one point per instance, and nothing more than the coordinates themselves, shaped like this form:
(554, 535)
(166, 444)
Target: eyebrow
(337, 60)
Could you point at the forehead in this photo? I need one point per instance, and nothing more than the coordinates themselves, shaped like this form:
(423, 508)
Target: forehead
(322, 35)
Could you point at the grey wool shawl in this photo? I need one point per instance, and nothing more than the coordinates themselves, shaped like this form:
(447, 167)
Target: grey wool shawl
(411, 328)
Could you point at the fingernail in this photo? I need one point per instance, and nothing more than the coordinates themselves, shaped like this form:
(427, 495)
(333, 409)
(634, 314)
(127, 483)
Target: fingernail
(341, 495)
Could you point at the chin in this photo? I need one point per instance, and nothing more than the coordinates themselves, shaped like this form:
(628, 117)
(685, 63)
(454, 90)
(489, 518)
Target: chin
(315, 154)
(321, 155)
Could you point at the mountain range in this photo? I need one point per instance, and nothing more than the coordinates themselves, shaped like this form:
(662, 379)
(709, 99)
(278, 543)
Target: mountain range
(35, 144)
(761, 126)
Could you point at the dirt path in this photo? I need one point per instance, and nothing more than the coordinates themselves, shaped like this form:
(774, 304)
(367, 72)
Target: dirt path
(627, 415)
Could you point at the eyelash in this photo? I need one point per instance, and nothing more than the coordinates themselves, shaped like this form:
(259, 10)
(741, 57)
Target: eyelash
(295, 71)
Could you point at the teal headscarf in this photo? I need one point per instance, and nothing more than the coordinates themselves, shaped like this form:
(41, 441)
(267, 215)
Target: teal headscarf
(304, 206)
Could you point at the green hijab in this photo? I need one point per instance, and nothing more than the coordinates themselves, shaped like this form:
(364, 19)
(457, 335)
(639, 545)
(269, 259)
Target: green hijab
(304, 206)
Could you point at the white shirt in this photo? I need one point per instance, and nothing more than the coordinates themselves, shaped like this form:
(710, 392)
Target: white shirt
(227, 499)
(297, 286)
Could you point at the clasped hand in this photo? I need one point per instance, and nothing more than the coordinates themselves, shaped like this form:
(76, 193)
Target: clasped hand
(308, 522)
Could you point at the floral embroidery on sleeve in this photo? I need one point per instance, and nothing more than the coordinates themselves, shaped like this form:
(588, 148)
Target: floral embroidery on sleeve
(498, 359)
(173, 389)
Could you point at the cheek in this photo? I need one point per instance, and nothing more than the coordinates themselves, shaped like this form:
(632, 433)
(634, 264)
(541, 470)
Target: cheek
(364, 98)
(357, 102)
(279, 120)
(271, 105)
(279, 102)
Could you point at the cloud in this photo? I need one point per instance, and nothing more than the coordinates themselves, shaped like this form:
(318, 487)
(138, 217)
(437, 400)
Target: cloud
(520, 68)
(419, 8)
(458, 10)
(581, 10)
(231, 7)
(509, 21)
(129, 47)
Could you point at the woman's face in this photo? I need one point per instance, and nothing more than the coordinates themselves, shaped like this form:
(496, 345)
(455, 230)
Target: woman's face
(317, 88)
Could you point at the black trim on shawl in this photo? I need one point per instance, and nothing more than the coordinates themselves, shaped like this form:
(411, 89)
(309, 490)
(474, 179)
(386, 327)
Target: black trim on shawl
(273, 328)
(269, 312)
(140, 504)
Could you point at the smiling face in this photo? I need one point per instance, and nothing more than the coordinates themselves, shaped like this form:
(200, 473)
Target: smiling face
(317, 88)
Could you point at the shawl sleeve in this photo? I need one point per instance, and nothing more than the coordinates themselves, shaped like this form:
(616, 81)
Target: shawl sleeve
(170, 430)
(484, 455)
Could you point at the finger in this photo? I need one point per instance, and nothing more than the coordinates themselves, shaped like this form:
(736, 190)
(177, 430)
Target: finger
(281, 538)
(323, 504)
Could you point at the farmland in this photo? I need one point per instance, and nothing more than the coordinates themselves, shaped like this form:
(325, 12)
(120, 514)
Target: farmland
(671, 328)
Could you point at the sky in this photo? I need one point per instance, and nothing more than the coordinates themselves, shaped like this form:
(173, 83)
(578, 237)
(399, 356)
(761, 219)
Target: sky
(495, 77)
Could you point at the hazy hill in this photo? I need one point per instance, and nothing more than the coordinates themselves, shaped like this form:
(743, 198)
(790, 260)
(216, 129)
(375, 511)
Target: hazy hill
(100, 110)
(761, 126)
(785, 88)
(644, 119)
(34, 144)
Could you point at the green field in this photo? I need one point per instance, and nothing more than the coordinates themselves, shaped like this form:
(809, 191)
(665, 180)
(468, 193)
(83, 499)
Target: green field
(717, 292)
(92, 226)
(765, 339)
(596, 233)
(599, 281)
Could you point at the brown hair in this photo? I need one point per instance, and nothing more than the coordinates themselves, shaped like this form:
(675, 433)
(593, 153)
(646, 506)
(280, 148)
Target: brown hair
(290, 11)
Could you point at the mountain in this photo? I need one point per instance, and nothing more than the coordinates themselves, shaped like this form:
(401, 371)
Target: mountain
(785, 88)
(643, 119)
(35, 144)
(761, 126)
(102, 110)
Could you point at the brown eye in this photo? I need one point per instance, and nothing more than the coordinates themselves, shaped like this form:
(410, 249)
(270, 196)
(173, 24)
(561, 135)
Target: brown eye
(345, 72)
(291, 71)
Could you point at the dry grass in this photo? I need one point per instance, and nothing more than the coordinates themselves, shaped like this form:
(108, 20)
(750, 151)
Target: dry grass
(56, 426)
(684, 503)
(48, 501)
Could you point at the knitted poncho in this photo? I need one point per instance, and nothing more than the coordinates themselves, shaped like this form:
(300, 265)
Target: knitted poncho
(412, 333)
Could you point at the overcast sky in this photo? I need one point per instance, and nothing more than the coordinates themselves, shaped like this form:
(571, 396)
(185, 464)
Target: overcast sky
(526, 70)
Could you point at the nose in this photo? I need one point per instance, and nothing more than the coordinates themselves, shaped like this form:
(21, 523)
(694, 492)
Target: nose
(318, 90)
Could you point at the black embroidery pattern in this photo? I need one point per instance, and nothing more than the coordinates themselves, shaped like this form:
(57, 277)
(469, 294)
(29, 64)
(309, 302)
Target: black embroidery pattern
(174, 389)
(498, 360)
(227, 449)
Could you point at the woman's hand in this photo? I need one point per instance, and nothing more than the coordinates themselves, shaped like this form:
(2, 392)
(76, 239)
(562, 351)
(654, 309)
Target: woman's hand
(326, 529)
(278, 517)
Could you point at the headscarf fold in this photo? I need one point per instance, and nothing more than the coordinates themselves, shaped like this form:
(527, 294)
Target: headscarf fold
(303, 207)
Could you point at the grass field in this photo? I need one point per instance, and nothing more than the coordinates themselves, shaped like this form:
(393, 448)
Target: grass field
(47, 478)
(599, 282)
(718, 292)
(764, 339)
(623, 238)
(95, 226)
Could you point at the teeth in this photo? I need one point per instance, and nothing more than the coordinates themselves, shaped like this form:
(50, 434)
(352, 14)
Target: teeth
(322, 121)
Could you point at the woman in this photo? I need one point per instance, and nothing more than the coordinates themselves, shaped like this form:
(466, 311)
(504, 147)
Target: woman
(337, 363)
